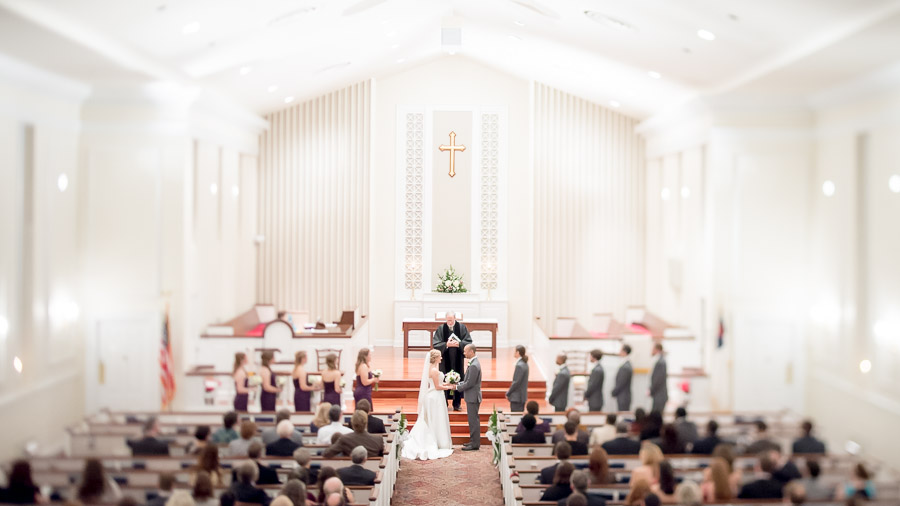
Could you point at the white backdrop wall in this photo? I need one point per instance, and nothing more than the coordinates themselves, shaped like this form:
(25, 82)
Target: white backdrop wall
(589, 209)
(314, 175)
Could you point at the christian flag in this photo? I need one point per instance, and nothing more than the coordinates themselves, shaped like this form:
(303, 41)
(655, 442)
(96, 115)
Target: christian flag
(166, 365)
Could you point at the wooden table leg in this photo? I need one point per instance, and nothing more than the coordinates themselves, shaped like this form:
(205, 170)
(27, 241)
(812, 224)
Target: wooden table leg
(493, 343)
(405, 342)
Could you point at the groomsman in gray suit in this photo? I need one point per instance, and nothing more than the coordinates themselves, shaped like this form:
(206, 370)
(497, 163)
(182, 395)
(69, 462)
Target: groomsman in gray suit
(518, 390)
(559, 395)
(594, 392)
(658, 380)
(622, 390)
(471, 388)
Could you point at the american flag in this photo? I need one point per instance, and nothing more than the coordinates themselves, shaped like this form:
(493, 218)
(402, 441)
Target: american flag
(166, 365)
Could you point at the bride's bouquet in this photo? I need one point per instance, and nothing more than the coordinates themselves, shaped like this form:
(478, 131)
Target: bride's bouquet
(452, 377)
(377, 373)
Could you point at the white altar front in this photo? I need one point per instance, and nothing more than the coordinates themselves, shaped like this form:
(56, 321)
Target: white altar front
(470, 305)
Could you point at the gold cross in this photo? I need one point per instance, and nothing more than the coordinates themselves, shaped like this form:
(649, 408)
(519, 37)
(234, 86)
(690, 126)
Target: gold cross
(452, 148)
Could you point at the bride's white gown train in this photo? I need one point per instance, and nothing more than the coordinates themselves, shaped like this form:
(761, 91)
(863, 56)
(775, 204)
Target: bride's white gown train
(430, 438)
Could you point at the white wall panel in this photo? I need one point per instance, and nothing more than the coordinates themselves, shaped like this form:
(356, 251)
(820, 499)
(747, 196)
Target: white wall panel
(314, 204)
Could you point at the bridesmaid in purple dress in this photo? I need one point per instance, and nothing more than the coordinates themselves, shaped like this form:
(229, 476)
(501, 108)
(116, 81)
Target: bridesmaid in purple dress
(302, 387)
(364, 377)
(331, 381)
(242, 392)
(270, 389)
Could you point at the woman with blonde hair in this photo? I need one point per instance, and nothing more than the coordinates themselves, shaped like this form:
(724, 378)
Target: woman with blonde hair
(270, 388)
(241, 384)
(650, 456)
(365, 379)
(321, 419)
(716, 484)
(640, 489)
(331, 381)
(303, 388)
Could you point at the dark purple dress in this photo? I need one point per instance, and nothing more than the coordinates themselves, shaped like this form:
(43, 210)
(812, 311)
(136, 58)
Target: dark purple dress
(362, 391)
(267, 399)
(330, 395)
(240, 400)
(301, 397)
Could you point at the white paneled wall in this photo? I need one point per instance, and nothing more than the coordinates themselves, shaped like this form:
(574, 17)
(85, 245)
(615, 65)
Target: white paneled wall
(589, 212)
(314, 204)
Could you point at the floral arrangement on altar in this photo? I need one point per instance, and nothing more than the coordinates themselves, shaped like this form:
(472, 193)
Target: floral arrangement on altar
(493, 435)
(450, 282)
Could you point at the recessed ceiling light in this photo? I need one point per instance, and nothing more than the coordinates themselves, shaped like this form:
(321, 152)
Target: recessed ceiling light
(706, 34)
(865, 366)
(235, 190)
(245, 70)
(213, 188)
(62, 182)
(614, 103)
(665, 193)
(685, 192)
(288, 100)
(272, 89)
(191, 28)
(828, 188)
(519, 23)
(515, 38)
(401, 60)
(609, 21)
(17, 364)
(655, 75)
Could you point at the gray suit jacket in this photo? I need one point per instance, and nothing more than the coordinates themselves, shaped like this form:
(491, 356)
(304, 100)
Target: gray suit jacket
(518, 390)
(471, 386)
(622, 390)
(559, 395)
(594, 392)
(658, 378)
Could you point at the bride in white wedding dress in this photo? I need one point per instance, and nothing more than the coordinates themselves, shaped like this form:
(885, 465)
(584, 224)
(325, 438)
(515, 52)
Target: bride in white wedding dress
(430, 438)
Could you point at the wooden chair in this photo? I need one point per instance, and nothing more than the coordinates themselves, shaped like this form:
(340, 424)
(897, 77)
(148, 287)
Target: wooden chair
(322, 353)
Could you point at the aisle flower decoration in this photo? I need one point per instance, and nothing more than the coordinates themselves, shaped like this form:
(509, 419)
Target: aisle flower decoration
(493, 435)
(402, 433)
(450, 282)
(377, 373)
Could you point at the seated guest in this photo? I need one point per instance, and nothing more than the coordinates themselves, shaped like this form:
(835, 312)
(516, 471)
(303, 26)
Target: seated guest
(302, 475)
(149, 444)
(717, 484)
(96, 486)
(578, 448)
(529, 435)
(860, 484)
(295, 490)
(794, 493)
(563, 452)
(604, 433)
(640, 419)
(664, 488)
(166, 482)
(668, 440)
(202, 492)
(201, 438)
(375, 424)
(304, 459)
(270, 434)
(766, 487)
(357, 474)
(265, 475)
(761, 441)
(687, 430)
(323, 437)
(180, 498)
(239, 447)
(532, 408)
(21, 489)
(226, 499)
(687, 493)
(598, 468)
(321, 418)
(329, 483)
(652, 426)
(208, 461)
(576, 499)
(807, 443)
(285, 445)
(281, 500)
(652, 499)
(651, 457)
(622, 444)
(815, 490)
(243, 488)
(571, 416)
(226, 434)
(706, 445)
(725, 452)
(559, 394)
(357, 437)
(637, 492)
(580, 482)
(561, 487)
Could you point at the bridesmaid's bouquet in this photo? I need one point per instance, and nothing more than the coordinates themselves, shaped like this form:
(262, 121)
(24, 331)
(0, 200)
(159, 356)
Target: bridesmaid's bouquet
(253, 379)
(377, 373)
(281, 381)
(452, 377)
(344, 383)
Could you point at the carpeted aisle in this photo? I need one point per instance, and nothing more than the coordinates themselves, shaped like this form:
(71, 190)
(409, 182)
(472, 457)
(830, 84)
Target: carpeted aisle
(462, 479)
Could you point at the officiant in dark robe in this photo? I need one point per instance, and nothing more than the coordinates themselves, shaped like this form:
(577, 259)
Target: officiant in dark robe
(452, 352)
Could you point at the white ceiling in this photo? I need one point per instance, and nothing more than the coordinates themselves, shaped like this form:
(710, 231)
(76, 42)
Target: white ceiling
(307, 47)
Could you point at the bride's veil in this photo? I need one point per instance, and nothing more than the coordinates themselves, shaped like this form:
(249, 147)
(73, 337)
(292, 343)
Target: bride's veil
(423, 387)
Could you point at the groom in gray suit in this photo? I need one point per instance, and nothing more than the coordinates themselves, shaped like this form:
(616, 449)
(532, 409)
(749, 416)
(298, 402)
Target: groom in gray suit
(471, 388)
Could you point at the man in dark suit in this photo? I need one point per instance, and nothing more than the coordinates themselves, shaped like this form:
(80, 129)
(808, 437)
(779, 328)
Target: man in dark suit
(559, 394)
(622, 389)
(357, 474)
(579, 482)
(270, 434)
(659, 390)
(563, 452)
(518, 389)
(766, 487)
(243, 488)
(284, 446)
(166, 482)
(808, 443)
(571, 416)
(594, 392)
(149, 444)
(762, 442)
(529, 435)
(687, 430)
(622, 444)
(705, 446)
(451, 339)
(265, 475)
(374, 445)
(375, 424)
(571, 429)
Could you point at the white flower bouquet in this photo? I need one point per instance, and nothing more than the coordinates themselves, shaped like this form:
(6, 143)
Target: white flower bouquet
(493, 435)
(254, 380)
(281, 380)
(344, 383)
(452, 377)
(377, 373)
(450, 282)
